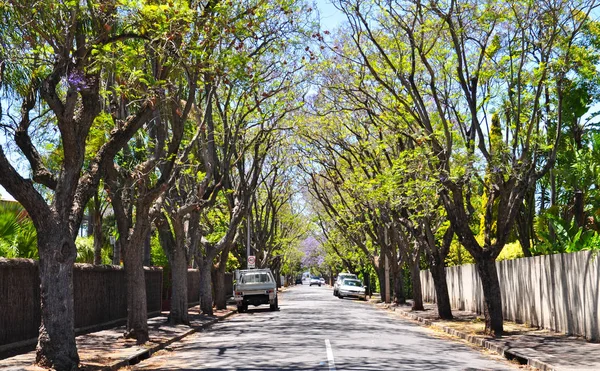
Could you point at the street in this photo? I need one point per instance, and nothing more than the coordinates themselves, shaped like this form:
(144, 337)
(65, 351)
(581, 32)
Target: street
(316, 331)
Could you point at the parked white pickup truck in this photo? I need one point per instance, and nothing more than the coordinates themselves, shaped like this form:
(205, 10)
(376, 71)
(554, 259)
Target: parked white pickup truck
(256, 287)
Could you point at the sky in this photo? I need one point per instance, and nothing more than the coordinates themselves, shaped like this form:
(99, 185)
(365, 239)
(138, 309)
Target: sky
(331, 18)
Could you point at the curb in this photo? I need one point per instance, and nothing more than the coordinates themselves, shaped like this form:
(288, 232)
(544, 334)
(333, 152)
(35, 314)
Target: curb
(147, 353)
(501, 350)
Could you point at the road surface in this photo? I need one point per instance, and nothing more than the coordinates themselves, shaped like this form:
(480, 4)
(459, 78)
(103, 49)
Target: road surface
(316, 331)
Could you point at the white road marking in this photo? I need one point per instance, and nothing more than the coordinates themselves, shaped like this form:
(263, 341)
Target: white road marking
(329, 355)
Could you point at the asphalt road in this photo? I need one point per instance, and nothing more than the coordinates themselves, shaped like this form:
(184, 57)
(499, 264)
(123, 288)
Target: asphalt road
(316, 331)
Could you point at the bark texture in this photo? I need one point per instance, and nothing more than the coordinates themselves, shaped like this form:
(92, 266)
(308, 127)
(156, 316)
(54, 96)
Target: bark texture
(492, 296)
(56, 343)
(179, 299)
(206, 295)
(399, 296)
(416, 285)
(438, 273)
(137, 311)
(219, 283)
(96, 215)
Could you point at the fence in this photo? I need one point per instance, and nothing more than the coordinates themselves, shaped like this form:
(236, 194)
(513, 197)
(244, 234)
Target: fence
(557, 292)
(99, 296)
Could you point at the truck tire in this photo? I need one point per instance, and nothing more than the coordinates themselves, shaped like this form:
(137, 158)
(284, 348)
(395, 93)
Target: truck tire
(240, 308)
(275, 306)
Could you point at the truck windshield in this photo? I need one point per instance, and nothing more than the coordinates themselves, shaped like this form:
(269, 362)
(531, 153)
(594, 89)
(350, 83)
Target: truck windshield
(255, 278)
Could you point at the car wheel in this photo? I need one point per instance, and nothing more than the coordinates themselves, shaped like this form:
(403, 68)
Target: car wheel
(319, 285)
(240, 308)
(340, 296)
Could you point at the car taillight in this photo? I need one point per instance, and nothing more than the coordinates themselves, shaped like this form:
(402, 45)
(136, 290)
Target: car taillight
(269, 291)
(238, 293)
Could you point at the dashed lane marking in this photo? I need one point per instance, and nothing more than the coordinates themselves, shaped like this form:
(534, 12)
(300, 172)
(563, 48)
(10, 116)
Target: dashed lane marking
(329, 355)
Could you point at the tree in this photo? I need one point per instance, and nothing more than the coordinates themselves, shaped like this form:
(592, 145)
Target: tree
(276, 226)
(51, 66)
(448, 66)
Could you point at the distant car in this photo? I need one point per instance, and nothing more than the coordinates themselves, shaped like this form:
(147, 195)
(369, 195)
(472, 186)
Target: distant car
(298, 281)
(315, 281)
(339, 280)
(352, 288)
(322, 280)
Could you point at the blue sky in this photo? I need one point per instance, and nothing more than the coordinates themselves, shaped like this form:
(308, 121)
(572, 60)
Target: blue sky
(330, 16)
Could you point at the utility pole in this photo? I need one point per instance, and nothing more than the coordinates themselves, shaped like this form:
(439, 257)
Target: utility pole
(248, 238)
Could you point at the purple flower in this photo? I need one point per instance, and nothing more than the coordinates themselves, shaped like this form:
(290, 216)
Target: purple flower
(314, 255)
(77, 80)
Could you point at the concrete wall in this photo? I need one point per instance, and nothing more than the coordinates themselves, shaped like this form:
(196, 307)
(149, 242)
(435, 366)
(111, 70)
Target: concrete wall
(100, 296)
(558, 292)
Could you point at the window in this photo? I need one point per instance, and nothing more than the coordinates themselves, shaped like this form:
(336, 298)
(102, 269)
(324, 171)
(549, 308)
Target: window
(259, 277)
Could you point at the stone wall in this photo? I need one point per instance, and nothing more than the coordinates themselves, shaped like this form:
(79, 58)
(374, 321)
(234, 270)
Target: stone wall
(557, 292)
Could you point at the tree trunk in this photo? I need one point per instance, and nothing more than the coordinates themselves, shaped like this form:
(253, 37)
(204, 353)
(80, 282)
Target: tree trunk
(579, 208)
(116, 260)
(399, 296)
(551, 230)
(56, 343)
(206, 301)
(179, 288)
(206, 298)
(416, 284)
(98, 238)
(438, 273)
(137, 311)
(492, 296)
(90, 223)
(381, 276)
(277, 277)
(219, 282)
(220, 294)
(367, 276)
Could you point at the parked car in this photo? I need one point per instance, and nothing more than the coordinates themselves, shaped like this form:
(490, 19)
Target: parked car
(339, 280)
(351, 287)
(256, 287)
(299, 281)
(315, 281)
(322, 280)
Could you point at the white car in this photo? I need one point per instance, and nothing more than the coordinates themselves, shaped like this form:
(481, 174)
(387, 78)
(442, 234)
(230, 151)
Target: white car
(353, 288)
(255, 287)
(340, 278)
(315, 281)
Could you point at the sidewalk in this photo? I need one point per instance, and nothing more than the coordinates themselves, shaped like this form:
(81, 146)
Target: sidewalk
(108, 350)
(542, 349)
